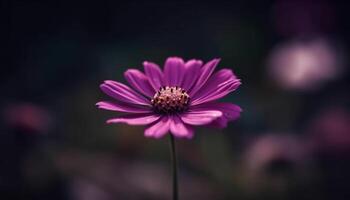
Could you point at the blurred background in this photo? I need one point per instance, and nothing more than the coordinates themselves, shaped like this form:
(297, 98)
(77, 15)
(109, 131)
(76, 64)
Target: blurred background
(291, 142)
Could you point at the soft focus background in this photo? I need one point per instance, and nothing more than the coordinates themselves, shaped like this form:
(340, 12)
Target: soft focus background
(291, 142)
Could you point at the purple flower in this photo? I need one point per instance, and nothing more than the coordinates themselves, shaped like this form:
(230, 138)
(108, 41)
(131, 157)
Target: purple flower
(181, 96)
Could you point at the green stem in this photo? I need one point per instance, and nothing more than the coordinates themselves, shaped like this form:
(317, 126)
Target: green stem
(174, 167)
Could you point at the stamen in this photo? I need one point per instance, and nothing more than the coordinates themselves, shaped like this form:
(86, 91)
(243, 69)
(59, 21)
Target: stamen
(170, 100)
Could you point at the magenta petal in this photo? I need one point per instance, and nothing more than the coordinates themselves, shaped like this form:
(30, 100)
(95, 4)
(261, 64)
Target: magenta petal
(179, 129)
(139, 81)
(214, 81)
(135, 119)
(221, 90)
(200, 116)
(123, 93)
(159, 128)
(123, 107)
(154, 74)
(230, 112)
(219, 123)
(174, 70)
(192, 69)
(205, 73)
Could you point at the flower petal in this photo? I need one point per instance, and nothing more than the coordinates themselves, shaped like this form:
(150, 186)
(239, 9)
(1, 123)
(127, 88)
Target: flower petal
(211, 85)
(159, 128)
(154, 74)
(123, 93)
(139, 82)
(135, 119)
(174, 70)
(123, 107)
(180, 129)
(200, 116)
(230, 112)
(205, 73)
(192, 69)
(220, 91)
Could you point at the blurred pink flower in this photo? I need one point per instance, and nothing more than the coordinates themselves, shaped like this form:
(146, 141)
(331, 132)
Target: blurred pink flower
(28, 117)
(330, 131)
(304, 65)
(268, 148)
(299, 18)
(181, 96)
(272, 161)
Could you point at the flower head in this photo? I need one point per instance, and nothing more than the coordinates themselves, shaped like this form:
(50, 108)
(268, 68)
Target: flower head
(181, 96)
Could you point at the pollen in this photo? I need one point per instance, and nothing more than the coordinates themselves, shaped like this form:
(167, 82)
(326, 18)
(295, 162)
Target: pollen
(170, 100)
